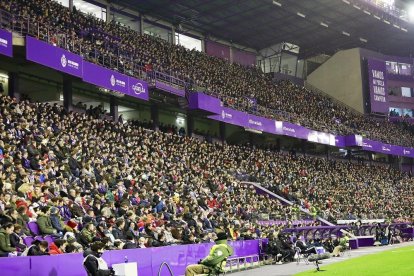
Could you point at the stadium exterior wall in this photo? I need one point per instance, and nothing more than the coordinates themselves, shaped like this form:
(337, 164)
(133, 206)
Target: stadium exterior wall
(340, 77)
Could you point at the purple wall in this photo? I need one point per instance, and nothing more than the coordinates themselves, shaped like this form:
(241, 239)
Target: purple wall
(244, 58)
(217, 50)
(148, 259)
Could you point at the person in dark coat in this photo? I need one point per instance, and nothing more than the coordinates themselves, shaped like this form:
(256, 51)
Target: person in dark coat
(94, 264)
(130, 243)
(15, 239)
(38, 248)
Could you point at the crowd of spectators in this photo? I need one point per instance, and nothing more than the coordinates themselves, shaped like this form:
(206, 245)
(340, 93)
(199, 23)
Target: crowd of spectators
(81, 178)
(120, 181)
(123, 49)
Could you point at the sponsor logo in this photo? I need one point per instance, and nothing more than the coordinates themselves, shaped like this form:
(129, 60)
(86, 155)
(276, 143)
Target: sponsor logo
(385, 148)
(406, 151)
(256, 123)
(289, 129)
(226, 115)
(4, 42)
(67, 62)
(114, 81)
(63, 61)
(365, 145)
(138, 88)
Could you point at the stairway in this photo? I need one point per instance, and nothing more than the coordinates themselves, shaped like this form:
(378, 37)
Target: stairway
(284, 200)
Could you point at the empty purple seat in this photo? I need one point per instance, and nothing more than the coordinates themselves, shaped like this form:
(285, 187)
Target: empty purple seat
(28, 241)
(49, 239)
(39, 238)
(34, 228)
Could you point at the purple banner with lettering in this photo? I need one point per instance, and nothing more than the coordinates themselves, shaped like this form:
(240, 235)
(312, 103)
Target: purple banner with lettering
(231, 116)
(377, 85)
(138, 89)
(53, 57)
(260, 123)
(6, 43)
(105, 78)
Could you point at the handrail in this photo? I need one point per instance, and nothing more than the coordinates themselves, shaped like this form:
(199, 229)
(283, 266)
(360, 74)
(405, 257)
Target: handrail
(169, 268)
(257, 185)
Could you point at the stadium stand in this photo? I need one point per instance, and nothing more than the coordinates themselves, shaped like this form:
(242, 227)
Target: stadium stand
(115, 46)
(68, 179)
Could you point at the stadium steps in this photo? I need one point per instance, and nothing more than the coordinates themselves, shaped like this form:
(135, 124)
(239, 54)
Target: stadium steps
(284, 200)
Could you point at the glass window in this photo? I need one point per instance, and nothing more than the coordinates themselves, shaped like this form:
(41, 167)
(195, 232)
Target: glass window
(64, 3)
(392, 67)
(406, 92)
(91, 9)
(407, 112)
(404, 69)
(188, 42)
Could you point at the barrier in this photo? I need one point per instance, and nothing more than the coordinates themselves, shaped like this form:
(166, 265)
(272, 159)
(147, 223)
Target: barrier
(149, 260)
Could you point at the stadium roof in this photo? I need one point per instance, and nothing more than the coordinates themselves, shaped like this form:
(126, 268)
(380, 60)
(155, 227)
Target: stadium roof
(317, 26)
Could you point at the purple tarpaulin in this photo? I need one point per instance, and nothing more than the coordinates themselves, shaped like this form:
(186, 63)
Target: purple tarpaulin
(53, 57)
(378, 85)
(148, 260)
(217, 50)
(6, 43)
(243, 57)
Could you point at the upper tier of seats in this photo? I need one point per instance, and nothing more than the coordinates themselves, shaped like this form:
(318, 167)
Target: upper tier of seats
(115, 46)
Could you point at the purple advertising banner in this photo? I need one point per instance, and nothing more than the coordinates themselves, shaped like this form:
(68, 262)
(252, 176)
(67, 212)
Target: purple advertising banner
(148, 260)
(261, 124)
(105, 78)
(53, 57)
(138, 89)
(377, 85)
(231, 116)
(235, 117)
(6, 43)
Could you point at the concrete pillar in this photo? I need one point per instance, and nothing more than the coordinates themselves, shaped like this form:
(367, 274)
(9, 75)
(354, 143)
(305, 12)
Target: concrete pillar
(155, 115)
(67, 94)
(108, 12)
(141, 24)
(278, 148)
(113, 108)
(251, 138)
(71, 5)
(303, 146)
(327, 151)
(174, 42)
(14, 85)
(203, 45)
(222, 129)
(190, 124)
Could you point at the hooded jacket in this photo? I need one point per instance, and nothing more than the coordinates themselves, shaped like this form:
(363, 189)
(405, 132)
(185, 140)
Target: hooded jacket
(5, 246)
